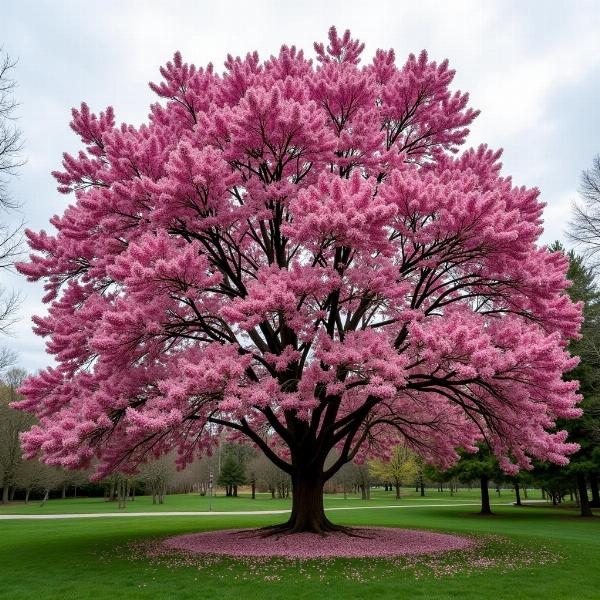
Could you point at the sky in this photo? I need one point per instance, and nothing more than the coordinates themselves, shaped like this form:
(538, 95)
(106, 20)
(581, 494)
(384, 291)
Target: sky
(531, 67)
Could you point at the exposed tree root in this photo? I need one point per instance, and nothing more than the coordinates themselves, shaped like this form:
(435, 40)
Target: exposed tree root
(322, 528)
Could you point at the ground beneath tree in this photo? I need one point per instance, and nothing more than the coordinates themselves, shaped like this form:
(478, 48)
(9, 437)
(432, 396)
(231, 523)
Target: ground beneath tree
(368, 542)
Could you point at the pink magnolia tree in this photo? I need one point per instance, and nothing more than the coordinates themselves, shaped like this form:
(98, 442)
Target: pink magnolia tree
(297, 252)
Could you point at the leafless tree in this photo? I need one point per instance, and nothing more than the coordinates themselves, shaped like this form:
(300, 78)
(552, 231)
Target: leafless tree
(157, 476)
(584, 228)
(11, 146)
(11, 139)
(35, 476)
(270, 476)
(12, 423)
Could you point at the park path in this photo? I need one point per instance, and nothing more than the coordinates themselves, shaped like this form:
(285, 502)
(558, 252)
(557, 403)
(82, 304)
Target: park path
(216, 513)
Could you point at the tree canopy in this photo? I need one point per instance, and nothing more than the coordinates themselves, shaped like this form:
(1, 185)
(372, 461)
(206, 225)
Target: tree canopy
(301, 253)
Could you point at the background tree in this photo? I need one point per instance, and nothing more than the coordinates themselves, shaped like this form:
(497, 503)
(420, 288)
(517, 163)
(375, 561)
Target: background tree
(270, 475)
(584, 228)
(296, 251)
(34, 476)
(10, 235)
(12, 424)
(584, 466)
(400, 469)
(232, 474)
(156, 476)
(482, 466)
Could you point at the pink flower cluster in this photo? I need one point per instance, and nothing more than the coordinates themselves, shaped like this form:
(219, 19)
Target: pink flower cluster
(298, 252)
(373, 542)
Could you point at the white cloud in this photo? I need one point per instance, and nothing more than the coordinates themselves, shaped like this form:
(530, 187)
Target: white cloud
(516, 59)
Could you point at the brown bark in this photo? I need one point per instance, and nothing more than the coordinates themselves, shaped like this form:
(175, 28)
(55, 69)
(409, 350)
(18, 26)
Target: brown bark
(595, 503)
(486, 509)
(308, 513)
(518, 494)
(584, 503)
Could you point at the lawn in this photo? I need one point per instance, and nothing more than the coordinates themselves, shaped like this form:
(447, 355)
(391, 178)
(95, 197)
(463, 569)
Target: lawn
(82, 558)
(194, 502)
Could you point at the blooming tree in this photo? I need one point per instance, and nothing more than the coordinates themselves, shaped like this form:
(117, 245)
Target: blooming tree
(295, 251)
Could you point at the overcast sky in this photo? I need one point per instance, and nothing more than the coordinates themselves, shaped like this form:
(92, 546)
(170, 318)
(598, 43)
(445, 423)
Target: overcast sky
(532, 68)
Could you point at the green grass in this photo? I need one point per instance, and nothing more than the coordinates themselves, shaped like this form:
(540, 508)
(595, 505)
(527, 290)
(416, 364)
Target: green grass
(194, 502)
(79, 558)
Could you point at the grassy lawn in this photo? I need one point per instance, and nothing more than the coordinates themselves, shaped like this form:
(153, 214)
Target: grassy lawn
(194, 502)
(81, 558)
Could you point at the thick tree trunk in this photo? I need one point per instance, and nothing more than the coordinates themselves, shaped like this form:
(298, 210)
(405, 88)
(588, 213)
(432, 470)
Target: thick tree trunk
(253, 490)
(518, 494)
(308, 513)
(397, 491)
(584, 503)
(486, 509)
(595, 492)
(5, 494)
(422, 488)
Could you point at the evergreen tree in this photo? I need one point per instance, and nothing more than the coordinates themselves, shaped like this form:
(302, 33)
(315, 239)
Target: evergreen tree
(232, 474)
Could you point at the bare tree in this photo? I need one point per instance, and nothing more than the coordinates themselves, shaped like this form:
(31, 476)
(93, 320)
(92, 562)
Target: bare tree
(12, 423)
(270, 476)
(584, 228)
(11, 140)
(11, 146)
(157, 476)
(34, 476)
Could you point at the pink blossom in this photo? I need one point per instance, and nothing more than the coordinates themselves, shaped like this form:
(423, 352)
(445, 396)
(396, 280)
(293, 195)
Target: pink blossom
(371, 542)
(303, 253)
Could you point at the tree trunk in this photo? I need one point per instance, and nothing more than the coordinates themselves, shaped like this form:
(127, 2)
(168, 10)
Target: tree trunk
(397, 485)
(63, 492)
(584, 503)
(5, 491)
(308, 513)
(253, 490)
(27, 492)
(595, 492)
(485, 497)
(518, 494)
(12, 493)
(422, 488)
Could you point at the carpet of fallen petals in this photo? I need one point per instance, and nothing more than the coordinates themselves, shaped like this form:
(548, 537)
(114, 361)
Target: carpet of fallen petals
(372, 542)
(482, 552)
